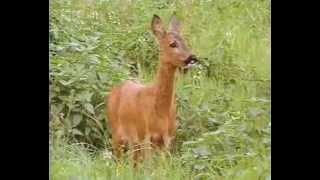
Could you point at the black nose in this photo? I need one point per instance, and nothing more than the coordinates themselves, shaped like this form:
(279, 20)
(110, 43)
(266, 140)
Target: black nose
(191, 60)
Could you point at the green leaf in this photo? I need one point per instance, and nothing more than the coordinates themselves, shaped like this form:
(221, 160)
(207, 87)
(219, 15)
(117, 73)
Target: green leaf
(76, 132)
(214, 133)
(56, 109)
(213, 121)
(103, 77)
(67, 123)
(59, 133)
(254, 112)
(88, 96)
(189, 142)
(65, 83)
(87, 131)
(201, 151)
(93, 59)
(84, 96)
(77, 118)
(201, 176)
(89, 108)
(198, 167)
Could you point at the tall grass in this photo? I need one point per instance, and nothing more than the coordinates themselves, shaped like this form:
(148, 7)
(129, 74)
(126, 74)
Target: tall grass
(223, 103)
(74, 161)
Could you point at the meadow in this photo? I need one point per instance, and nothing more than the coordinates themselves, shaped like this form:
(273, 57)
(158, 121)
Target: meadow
(223, 103)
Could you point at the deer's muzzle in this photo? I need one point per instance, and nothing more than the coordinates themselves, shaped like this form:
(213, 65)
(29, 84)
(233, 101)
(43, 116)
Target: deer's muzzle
(191, 60)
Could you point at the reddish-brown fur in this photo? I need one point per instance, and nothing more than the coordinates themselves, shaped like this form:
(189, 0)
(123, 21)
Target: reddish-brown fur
(139, 114)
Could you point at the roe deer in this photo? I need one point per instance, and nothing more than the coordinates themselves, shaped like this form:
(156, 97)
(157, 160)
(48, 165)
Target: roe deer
(139, 114)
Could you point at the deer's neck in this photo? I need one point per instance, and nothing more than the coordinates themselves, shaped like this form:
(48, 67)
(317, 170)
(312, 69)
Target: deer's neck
(165, 87)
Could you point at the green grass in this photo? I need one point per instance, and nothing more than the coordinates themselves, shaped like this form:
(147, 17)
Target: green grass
(223, 103)
(76, 162)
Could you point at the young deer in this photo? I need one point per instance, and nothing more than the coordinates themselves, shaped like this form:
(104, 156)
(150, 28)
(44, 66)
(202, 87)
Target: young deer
(141, 114)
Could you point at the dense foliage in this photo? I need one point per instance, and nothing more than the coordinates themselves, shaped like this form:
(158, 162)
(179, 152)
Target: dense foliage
(223, 103)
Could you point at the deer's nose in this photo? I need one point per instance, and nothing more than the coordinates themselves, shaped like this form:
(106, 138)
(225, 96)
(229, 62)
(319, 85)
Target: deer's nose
(192, 59)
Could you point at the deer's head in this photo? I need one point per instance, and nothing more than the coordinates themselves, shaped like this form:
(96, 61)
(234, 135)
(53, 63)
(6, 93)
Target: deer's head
(172, 45)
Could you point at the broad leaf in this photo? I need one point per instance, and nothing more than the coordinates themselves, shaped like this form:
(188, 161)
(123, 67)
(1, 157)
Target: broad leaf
(76, 119)
(201, 151)
(76, 132)
(89, 108)
(198, 167)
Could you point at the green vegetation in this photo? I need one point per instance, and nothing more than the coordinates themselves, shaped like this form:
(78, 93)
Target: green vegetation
(223, 103)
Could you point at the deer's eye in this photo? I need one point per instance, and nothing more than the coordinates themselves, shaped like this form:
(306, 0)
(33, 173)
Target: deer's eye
(173, 44)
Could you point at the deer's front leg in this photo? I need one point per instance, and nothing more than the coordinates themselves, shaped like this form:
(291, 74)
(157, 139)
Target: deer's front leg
(157, 140)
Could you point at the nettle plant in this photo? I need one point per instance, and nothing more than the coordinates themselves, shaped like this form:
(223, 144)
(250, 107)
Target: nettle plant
(77, 94)
(79, 79)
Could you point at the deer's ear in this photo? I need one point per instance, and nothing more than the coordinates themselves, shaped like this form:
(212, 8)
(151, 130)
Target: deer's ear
(174, 25)
(156, 26)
